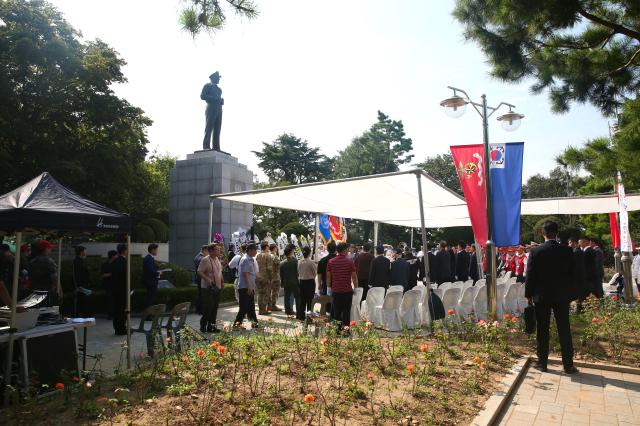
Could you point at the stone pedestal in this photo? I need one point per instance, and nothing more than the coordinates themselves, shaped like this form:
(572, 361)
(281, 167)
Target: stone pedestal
(192, 181)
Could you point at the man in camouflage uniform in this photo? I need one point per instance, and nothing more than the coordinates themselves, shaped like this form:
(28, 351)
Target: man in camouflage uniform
(264, 278)
(275, 279)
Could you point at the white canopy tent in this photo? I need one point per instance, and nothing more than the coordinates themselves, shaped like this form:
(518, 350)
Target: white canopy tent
(410, 198)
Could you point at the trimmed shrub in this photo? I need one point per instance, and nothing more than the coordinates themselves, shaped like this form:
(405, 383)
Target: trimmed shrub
(97, 303)
(179, 276)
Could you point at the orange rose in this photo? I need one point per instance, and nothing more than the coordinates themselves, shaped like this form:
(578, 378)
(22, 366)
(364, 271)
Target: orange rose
(476, 359)
(411, 368)
(353, 323)
(424, 348)
(222, 349)
(514, 319)
(200, 352)
(185, 358)
(309, 398)
(507, 316)
(371, 377)
(450, 312)
(595, 320)
(215, 344)
(59, 386)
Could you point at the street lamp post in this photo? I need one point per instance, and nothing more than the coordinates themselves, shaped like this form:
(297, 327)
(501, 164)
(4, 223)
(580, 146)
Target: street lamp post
(454, 107)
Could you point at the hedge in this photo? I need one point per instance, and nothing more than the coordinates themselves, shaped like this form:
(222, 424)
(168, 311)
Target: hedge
(179, 276)
(96, 303)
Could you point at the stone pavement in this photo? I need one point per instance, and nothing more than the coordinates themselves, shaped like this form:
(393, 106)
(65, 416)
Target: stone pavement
(591, 397)
(101, 339)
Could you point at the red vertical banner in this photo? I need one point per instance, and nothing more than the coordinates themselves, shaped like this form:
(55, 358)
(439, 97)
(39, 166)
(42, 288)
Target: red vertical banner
(615, 230)
(469, 163)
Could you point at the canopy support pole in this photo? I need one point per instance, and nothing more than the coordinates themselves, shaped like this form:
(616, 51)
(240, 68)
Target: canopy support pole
(479, 261)
(425, 258)
(626, 260)
(375, 234)
(315, 237)
(211, 220)
(128, 302)
(12, 322)
(411, 238)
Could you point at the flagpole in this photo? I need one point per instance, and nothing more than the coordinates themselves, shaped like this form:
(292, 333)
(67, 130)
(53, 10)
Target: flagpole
(625, 244)
(492, 285)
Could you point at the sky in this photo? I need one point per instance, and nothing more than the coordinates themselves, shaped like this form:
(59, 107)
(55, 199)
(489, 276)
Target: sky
(320, 70)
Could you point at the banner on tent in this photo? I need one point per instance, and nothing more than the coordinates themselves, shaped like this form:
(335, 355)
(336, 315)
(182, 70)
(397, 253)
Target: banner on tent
(625, 238)
(469, 163)
(506, 191)
(331, 228)
(615, 230)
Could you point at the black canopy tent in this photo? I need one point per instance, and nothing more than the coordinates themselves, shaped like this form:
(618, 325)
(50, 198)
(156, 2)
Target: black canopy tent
(44, 204)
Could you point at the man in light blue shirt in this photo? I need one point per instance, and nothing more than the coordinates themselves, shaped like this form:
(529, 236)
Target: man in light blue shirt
(247, 270)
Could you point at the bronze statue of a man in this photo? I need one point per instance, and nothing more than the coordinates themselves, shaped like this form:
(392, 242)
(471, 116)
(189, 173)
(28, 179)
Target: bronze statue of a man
(213, 95)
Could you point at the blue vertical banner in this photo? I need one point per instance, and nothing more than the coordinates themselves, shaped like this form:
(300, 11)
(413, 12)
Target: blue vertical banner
(506, 192)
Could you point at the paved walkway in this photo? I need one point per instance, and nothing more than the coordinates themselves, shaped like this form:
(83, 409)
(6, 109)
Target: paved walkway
(591, 397)
(101, 339)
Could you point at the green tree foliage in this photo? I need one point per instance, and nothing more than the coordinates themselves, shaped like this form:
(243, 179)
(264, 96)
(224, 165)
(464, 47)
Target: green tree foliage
(208, 16)
(381, 149)
(295, 228)
(59, 114)
(442, 169)
(291, 159)
(579, 50)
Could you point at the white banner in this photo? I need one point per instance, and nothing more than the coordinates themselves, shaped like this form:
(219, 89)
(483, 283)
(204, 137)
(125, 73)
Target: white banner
(625, 238)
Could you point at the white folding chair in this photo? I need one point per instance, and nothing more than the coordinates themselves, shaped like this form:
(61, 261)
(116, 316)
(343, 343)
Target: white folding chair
(500, 292)
(409, 308)
(457, 284)
(395, 288)
(510, 301)
(425, 315)
(355, 303)
(388, 314)
(481, 282)
(445, 285)
(466, 285)
(513, 280)
(465, 304)
(522, 301)
(375, 296)
(480, 303)
(450, 300)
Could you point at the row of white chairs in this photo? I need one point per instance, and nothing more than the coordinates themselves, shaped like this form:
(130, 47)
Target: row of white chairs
(392, 309)
(510, 298)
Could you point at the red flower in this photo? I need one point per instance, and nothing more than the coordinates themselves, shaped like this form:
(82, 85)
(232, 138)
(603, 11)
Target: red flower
(59, 386)
(450, 312)
(507, 316)
(371, 377)
(476, 359)
(595, 320)
(605, 318)
(353, 323)
(222, 349)
(424, 348)
(411, 368)
(185, 358)
(215, 344)
(309, 398)
(614, 298)
(514, 319)
(200, 352)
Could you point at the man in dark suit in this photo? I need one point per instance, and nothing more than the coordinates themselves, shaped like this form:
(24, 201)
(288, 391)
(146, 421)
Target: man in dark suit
(452, 264)
(400, 270)
(380, 273)
(599, 256)
(413, 267)
(442, 264)
(592, 278)
(119, 290)
(550, 286)
(462, 262)
(150, 274)
(579, 271)
(473, 265)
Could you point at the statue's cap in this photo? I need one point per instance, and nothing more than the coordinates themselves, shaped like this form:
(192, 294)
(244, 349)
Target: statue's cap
(215, 74)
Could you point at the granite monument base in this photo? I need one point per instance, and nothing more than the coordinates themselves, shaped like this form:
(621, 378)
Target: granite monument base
(204, 173)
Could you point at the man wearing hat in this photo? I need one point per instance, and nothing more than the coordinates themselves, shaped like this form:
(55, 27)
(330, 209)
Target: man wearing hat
(212, 94)
(44, 272)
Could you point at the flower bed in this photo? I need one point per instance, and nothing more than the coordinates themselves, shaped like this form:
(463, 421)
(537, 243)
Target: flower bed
(281, 376)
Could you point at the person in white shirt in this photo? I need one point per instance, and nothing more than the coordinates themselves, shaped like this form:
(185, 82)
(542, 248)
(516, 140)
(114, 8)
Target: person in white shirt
(635, 267)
